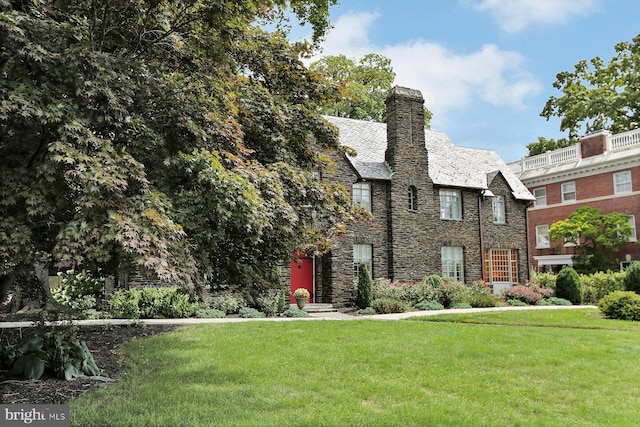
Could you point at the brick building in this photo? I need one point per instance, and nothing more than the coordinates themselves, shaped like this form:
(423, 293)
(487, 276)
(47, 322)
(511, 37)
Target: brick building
(437, 208)
(602, 171)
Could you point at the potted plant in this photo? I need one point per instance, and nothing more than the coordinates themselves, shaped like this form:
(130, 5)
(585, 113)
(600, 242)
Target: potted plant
(301, 295)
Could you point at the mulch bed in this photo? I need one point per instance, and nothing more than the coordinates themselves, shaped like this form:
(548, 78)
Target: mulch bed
(101, 341)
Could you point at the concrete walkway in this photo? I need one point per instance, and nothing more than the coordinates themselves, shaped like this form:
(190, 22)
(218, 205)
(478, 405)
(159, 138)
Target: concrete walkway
(312, 316)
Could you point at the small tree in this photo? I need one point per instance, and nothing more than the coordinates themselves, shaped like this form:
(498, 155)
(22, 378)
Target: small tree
(568, 285)
(632, 278)
(365, 287)
(597, 237)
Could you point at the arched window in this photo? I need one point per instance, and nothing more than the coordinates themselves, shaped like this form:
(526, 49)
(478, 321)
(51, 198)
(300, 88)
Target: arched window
(413, 198)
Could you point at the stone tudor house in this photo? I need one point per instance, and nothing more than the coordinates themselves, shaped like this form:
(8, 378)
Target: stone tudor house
(437, 208)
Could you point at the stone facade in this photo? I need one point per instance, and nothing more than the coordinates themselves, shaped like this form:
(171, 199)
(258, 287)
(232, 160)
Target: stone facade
(407, 238)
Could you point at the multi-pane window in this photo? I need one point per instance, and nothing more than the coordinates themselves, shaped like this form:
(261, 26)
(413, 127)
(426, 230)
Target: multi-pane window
(501, 265)
(450, 204)
(498, 210)
(361, 195)
(632, 223)
(541, 196)
(413, 198)
(452, 263)
(569, 192)
(542, 236)
(362, 255)
(622, 182)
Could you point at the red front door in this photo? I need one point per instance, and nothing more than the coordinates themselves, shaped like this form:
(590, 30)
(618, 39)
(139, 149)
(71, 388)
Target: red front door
(302, 276)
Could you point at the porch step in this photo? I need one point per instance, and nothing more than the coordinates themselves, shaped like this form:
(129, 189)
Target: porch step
(318, 308)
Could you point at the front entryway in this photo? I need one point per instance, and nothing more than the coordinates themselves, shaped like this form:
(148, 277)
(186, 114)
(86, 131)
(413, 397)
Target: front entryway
(302, 269)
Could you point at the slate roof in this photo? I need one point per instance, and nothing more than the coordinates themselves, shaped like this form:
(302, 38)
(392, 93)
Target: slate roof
(449, 165)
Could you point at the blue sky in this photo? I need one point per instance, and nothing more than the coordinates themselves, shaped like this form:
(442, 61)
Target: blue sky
(484, 67)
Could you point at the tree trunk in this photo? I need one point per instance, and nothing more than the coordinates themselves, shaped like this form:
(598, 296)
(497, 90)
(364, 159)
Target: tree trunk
(27, 293)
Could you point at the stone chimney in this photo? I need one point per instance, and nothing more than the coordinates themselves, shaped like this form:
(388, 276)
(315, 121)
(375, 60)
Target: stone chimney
(405, 126)
(595, 143)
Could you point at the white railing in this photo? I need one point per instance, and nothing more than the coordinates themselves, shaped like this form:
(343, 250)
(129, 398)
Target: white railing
(625, 140)
(621, 141)
(550, 158)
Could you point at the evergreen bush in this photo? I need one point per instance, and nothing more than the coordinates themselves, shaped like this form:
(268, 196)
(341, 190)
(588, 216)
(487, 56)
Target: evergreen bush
(209, 313)
(623, 305)
(250, 313)
(365, 287)
(568, 285)
(295, 312)
(429, 305)
(482, 301)
(632, 278)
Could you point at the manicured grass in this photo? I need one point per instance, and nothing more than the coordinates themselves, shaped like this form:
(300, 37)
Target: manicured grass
(375, 373)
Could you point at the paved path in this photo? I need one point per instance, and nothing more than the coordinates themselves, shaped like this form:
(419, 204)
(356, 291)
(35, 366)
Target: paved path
(312, 316)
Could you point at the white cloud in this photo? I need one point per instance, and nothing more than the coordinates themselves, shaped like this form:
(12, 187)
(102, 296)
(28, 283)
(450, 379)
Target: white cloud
(446, 79)
(516, 15)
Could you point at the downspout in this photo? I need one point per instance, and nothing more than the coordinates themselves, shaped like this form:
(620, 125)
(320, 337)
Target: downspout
(480, 196)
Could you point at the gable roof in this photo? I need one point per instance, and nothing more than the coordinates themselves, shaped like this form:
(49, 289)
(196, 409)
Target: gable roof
(449, 165)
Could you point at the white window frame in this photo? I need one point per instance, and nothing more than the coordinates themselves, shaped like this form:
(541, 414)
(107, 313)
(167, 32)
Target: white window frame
(362, 254)
(632, 222)
(498, 205)
(541, 199)
(622, 182)
(361, 195)
(542, 236)
(452, 262)
(566, 192)
(451, 205)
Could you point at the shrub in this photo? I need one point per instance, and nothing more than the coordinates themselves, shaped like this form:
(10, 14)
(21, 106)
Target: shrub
(368, 310)
(568, 285)
(384, 288)
(482, 300)
(250, 313)
(559, 301)
(461, 305)
(544, 280)
(124, 304)
(295, 312)
(632, 277)
(480, 287)
(516, 302)
(272, 302)
(429, 305)
(149, 303)
(209, 313)
(389, 305)
(229, 303)
(434, 281)
(623, 305)
(79, 291)
(523, 294)
(365, 287)
(453, 293)
(597, 285)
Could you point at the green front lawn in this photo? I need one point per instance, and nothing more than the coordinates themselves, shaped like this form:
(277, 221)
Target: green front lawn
(375, 373)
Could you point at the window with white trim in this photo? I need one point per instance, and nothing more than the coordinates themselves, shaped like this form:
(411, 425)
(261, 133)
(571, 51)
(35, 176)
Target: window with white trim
(622, 182)
(450, 204)
(361, 195)
(568, 191)
(541, 196)
(452, 262)
(498, 210)
(501, 265)
(362, 255)
(632, 222)
(542, 236)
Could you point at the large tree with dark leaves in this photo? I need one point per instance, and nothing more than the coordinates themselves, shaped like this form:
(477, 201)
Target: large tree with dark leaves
(171, 137)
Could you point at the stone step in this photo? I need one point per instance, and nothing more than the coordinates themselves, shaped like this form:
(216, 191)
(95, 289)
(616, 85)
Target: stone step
(318, 308)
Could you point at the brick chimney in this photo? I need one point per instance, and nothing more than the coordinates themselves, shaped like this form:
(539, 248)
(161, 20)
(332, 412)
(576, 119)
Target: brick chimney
(595, 143)
(405, 126)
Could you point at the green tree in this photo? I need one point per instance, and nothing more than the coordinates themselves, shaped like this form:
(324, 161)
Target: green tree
(597, 95)
(168, 137)
(597, 237)
(542, 145)
(568, 285)
(365, 287)
(363, 85)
